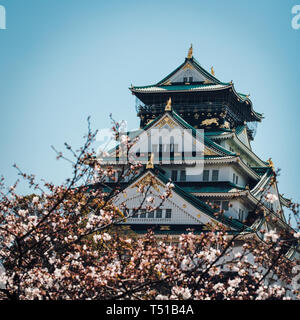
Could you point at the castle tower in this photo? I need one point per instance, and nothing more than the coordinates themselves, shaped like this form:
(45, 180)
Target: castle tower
(229, 178)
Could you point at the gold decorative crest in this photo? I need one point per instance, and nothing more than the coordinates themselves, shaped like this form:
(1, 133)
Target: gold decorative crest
(208, 152)
(147, 181)
(150, 164)
(187, 66)
(169, 105)
(165, 121)
(271, 164)
(209, 122)
(190, 53)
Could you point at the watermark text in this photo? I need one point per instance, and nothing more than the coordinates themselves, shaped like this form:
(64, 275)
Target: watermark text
(296, 17)
(2, 17)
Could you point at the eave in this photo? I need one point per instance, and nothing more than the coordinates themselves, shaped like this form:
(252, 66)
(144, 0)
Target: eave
(236, 160)
(234, 136)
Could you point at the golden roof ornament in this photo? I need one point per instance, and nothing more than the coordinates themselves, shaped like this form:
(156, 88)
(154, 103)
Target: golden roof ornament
(165, 228)
(190, 53)
(212, 71)
(150, 163)
(169, 105)
(271, 164)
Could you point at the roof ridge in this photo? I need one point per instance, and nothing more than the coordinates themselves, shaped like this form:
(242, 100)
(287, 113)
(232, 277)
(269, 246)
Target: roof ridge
(205, 71)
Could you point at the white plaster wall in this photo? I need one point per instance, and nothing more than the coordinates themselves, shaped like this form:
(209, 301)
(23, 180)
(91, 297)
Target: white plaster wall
(196, 173)
(234, 209)
(182, 211)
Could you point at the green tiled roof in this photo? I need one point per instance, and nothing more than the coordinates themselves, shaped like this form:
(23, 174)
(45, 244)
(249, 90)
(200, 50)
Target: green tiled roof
(187, 87)
(213, 187)
(239, 129)
(217, 133)
(262, 170)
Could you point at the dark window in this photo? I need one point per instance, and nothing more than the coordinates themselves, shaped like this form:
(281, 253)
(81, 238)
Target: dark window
(190, 79)
(138, 153)
(182, 175)
(160, 149)
(159, 213)
(206, 175)
(233, 180)
(119, 175)
(241, 214)
(215, 175)
(218, 204)
(143, 213)
(151, 214)
(168, 213)
(185, 79)
(135, 213)
(174, 175)
(112, 178)
(225, 205)
(236, 180)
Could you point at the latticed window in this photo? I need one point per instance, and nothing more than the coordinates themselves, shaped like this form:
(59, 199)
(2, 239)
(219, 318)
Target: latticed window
(151, 214)
(215, 175)
(135, 213)
(182, 175)
(241, 214)
(225, 205)
(168, 213)
(119, 175)
(159, 213)
(174, 175)
(217, 204)
(205, 175)
(143, 213)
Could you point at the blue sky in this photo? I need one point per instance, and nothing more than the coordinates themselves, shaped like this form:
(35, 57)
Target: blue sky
(62, 60)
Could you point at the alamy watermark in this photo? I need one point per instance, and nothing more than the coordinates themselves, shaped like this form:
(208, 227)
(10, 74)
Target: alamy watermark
(161, 146)
(2, 17)
(296, 17)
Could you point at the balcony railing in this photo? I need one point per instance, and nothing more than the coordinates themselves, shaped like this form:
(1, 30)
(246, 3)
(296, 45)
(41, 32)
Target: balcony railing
(182, 107)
